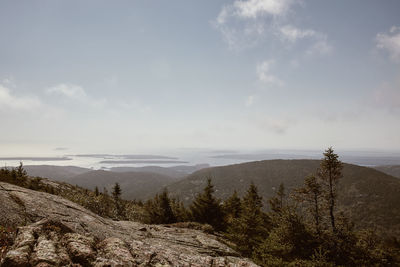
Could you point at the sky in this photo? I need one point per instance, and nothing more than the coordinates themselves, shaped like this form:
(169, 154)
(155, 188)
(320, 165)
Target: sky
(120, 76)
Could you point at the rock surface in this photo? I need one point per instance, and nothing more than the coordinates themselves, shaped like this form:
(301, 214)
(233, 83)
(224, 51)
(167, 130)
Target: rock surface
(61, 233)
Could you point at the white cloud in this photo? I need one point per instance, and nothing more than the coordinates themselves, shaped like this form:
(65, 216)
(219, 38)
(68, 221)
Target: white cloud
(264, 73)
(320, 44)
(223, 15)
(242, 37)
(249, 101)
(292, 33)
(390, 42)
(244, 24)
(69, 90)
(10, 101)
(249, 23)
(76, 92)
(255, 8)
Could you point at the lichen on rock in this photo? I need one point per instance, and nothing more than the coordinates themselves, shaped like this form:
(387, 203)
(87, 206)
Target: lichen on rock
(62, 233)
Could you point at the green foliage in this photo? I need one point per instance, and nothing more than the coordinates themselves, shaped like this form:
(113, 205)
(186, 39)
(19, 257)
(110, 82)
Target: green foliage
(15, 176)
(289, 237)
(311, 195)
(330, 172)
(232, 207)
(21, 173)
(116, 194)
(249, 229)
(206, 208)
(277, 202)
(299, 229)
(180, 212)
(159, 209)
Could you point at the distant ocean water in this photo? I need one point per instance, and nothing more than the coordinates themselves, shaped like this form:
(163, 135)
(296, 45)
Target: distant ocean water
(193, 157)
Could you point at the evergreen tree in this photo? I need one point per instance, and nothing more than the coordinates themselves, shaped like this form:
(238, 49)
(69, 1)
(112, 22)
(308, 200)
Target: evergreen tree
(165, 206)
(311, 193)
(96, 191)
(330, 172)
(179, 210)
(249, 230)
(21, 174)
(277, 202)
(232, 207)
(159, 209)
(116, 194)
(288, 239)
(14, 176)
(206, 209)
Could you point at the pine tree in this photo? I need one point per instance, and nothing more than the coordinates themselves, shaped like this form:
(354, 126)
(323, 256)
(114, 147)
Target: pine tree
(21, 173)
(159, 209)
(277, 202)
(232, 207)
(116, 194)
(96, 191)
(249, 230)
(165, 208)
(311, 193)
(330, 172)
(206, 209)
(14, 176)
(179, 210)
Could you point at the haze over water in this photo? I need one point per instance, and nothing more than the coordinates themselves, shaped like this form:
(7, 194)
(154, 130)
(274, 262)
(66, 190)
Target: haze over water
(193, 157)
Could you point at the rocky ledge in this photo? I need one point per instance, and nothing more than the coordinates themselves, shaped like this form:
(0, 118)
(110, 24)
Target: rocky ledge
(61, 233)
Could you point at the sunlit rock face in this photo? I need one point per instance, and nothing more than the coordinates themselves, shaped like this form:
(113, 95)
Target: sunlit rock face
(61, 233)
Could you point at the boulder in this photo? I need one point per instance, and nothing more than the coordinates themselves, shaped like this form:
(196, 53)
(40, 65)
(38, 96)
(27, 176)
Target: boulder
(57, 232)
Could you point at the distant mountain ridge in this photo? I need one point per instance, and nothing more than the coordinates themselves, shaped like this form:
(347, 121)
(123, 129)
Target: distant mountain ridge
(64, 173)
(58, 173)
(369, 196)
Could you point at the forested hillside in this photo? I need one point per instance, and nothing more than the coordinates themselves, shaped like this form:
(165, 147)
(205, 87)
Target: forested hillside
(393, 170)
(370, 197)
(137, 185)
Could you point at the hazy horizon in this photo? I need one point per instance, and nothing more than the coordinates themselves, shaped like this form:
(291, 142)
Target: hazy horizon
(136, 77)
(191, 157)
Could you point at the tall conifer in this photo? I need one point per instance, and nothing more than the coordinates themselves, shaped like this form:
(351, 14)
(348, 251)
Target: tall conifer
(330, 172)
(206, 208)
(248, 231)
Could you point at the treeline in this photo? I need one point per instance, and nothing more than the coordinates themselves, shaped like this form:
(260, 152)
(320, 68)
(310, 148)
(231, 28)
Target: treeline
(302, 228)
